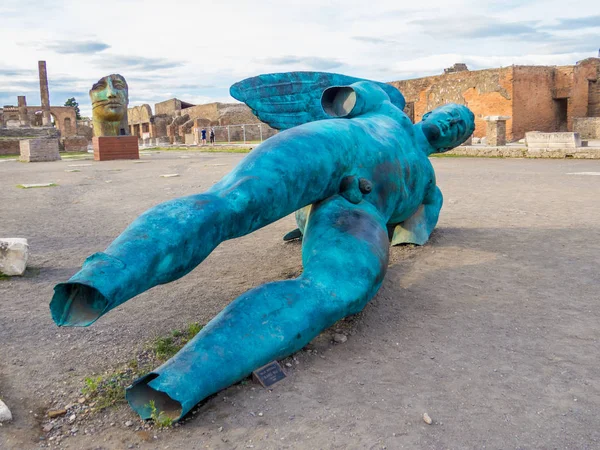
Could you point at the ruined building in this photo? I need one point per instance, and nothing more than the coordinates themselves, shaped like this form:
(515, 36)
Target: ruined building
(176, 121)
(537, 98)
(27, 116)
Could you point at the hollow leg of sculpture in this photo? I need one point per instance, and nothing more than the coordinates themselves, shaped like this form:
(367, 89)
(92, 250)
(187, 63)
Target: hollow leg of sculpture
(417, 228)
(345, 255)
(161, 245)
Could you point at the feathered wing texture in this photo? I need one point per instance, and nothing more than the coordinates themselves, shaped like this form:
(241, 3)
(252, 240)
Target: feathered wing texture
(285, 100)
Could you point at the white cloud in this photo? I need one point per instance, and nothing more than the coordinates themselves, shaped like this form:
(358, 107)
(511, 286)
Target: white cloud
(197, 48)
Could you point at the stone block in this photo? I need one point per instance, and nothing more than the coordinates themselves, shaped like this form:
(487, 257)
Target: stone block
(496, 118)
(189, 138)
(496, 130)
(539, 140)
(587, 127)
(163, 140)
(107, 148)
(14, 253)
(75, 144)
(37, 150)
(5, 414)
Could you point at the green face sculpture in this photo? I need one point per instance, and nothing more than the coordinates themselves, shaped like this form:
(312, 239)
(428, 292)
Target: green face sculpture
(109, 98)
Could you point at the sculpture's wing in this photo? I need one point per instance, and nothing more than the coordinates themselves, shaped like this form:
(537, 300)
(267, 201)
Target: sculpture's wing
(285, 100)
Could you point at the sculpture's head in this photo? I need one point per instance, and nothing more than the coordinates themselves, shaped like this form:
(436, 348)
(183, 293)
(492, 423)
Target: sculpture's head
(109, 98)
(447, 127)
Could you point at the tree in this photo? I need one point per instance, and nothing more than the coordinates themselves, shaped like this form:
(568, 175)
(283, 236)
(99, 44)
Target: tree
(72, 102)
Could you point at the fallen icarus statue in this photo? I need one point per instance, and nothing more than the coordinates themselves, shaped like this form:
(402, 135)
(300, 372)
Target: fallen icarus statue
(355, 169)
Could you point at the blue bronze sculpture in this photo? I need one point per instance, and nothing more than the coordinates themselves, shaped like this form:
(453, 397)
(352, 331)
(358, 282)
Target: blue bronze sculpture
(357, 172)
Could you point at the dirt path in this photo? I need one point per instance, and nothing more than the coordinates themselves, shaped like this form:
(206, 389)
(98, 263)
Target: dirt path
(492, 328)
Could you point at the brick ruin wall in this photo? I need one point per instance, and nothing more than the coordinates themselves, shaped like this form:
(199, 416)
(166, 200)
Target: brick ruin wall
(537, 98)
(486, 92)
(534, 108)
(9, 146)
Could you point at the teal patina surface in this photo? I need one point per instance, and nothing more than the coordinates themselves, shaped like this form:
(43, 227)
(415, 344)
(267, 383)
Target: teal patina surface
(357, 172)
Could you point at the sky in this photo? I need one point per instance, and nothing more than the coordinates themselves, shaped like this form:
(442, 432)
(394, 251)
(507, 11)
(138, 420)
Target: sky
(194, 50)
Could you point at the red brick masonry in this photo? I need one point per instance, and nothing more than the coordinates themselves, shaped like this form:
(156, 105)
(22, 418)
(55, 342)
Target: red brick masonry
(107, 148)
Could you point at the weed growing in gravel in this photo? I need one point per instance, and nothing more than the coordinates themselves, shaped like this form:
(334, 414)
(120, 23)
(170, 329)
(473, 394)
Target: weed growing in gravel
(193, 329)
(164, 347)
(91, 385)
(159, 417)
(109, 389)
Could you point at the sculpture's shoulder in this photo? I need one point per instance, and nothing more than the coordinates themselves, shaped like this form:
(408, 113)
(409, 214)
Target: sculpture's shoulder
(286, 100)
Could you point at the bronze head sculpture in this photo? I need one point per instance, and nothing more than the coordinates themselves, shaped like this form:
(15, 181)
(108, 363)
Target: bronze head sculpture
(109, 96)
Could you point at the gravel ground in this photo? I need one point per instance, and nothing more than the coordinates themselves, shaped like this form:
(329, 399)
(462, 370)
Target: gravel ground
(492, 328)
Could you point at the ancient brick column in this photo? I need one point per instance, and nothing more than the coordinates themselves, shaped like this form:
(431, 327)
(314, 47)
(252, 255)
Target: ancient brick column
(496, 130)
(23, 117)
(44, 94)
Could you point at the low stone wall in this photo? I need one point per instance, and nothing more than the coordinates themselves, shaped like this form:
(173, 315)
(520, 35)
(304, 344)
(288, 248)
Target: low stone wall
(587, 127)
(524, 152)
(75, 144)
(9, 147)
(25, 133)
(36, 150)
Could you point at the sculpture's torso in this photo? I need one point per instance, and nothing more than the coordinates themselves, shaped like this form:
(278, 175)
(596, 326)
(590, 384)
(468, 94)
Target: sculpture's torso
(307, 163)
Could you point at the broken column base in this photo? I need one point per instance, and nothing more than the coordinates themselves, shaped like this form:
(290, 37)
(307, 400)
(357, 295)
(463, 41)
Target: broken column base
(496, 130)
(14, 253)
(107, 148)
(37, 150)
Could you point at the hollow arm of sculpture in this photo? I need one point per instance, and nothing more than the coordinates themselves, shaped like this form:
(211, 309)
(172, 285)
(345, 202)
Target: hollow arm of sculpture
(357, 170)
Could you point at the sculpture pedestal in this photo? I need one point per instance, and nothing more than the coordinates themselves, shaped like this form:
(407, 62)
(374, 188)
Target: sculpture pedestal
(107, 148)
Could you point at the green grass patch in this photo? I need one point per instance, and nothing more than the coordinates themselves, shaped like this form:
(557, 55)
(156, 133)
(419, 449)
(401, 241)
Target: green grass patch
(226, 149)
(18, 138)
(4, 277)
(201, 149)
(26, 186)
(68, 155)
(446, 155)
(165, 347)
(108, 390)
(159, 417)
(9, 156)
